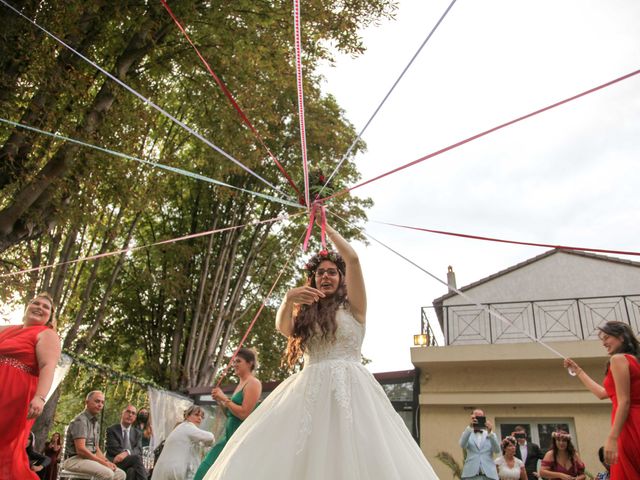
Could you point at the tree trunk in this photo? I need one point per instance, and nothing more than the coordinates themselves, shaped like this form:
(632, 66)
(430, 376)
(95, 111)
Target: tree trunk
(13, 227)
(101, 312)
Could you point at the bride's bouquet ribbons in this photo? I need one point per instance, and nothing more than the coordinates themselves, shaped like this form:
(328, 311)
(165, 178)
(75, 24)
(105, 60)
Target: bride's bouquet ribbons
(316, 206)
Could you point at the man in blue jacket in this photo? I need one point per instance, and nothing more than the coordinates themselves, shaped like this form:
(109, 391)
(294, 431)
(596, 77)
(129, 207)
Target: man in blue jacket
(480, 443)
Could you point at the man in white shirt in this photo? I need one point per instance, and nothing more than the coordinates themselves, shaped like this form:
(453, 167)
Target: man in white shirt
(124, 445)
(528, 452)
(480, 443)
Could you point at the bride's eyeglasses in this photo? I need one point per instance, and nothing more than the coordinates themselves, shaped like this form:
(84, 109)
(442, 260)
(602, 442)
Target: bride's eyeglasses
(332, 272)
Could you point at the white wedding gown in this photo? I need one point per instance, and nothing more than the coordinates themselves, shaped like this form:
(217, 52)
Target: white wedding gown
(331, 421)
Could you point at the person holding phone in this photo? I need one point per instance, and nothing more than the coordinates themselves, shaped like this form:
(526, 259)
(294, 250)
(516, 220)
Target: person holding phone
(528, 452)
(480, 443)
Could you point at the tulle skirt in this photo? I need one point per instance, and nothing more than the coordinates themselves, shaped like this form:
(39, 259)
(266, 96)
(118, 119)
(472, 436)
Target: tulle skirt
(330, 421)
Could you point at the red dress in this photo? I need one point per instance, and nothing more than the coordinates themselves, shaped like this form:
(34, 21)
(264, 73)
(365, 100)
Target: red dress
(18, 381)
(628, 465)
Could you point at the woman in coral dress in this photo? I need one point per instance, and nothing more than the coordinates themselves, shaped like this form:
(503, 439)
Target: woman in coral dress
(622, 386)
(28, 357)
(332, 420)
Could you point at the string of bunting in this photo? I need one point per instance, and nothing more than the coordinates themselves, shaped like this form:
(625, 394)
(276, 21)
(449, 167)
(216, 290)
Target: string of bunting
(169, 168)
(112, 373)
(515, 242)
(231, 98)
(147, 101)
(482, 134)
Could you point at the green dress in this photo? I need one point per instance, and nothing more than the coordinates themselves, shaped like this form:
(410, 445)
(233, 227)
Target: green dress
(230, 426)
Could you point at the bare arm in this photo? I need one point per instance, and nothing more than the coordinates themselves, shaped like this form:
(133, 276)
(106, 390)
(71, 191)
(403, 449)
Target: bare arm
(47, 353)
(593, 386)
(523, 473)
(251, 396)
(300, 295)
(356, 290)
(546, 473)
(620, 370)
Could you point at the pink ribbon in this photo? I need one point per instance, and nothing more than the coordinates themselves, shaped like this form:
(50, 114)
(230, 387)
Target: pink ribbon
(323, 225)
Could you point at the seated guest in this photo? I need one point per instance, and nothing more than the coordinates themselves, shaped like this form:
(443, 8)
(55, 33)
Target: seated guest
(124, 445)
(37, 461)
(81, 443)
(562, 461)
(180, 457)
(143, 422)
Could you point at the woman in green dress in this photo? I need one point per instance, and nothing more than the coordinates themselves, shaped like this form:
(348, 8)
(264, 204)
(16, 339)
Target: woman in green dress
(243, 401)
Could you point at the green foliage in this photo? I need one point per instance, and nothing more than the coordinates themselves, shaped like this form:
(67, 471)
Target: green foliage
(175, 312)
(449, 461)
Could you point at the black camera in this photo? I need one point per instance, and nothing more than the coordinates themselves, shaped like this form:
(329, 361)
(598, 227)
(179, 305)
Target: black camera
(481, 422)
(520, 435)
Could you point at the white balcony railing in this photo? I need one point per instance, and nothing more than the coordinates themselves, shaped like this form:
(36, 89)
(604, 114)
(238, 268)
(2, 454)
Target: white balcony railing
(548, 320)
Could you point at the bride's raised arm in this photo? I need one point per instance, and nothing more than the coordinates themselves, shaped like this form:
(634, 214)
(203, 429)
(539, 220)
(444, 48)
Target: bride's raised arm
(356, 291)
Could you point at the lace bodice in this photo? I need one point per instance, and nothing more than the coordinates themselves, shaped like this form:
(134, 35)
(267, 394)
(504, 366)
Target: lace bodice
(347, 345)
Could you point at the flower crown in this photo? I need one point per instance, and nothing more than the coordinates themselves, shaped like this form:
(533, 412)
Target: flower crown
(561, 434)
(313, 263)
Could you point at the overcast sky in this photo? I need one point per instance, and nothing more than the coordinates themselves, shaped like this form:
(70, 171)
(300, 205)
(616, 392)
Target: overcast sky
(569, 176)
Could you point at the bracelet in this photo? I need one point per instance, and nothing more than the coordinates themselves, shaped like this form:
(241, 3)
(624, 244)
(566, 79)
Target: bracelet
(44, 400)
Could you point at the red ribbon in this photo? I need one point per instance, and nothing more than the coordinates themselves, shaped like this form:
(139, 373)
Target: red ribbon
(228, 94)
(323, 225)
(514, 242)
(482, 134)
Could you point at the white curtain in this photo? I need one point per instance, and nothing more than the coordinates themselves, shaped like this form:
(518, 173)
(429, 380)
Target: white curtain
(167, 410)
(62, 368)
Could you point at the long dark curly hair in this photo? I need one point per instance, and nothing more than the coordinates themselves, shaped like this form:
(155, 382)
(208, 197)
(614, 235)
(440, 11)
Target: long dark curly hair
(318, 318)
(571, 450)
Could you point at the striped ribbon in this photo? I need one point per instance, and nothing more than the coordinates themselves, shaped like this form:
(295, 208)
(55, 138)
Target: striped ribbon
(162, 242)
(303, 134)
(180, 171)
(316, 207)
(231, 99)
(148, 101)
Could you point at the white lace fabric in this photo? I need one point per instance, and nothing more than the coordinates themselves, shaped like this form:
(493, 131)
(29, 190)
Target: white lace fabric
(332, 420)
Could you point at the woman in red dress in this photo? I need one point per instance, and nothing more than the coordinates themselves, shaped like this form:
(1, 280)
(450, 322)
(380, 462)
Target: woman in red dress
(28, 357)
(622, 385)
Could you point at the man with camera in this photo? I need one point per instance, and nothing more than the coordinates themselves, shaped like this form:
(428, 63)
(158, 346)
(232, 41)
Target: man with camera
(529, 453)
(480, 443)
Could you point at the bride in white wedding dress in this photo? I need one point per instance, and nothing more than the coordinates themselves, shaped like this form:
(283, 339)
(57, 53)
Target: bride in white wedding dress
(332, 420)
